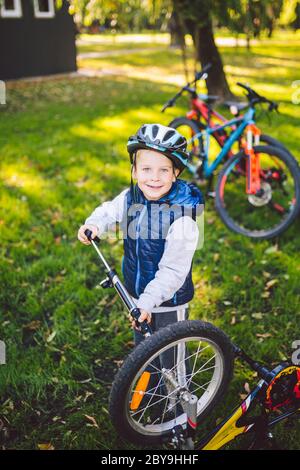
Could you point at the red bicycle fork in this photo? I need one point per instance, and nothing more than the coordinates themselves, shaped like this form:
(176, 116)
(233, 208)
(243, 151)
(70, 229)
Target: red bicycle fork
(253, 185)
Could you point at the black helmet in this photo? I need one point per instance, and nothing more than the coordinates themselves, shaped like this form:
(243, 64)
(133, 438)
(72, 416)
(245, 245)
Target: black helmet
(163, 139)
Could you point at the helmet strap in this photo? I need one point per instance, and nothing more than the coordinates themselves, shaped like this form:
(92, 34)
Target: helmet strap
(133, 189)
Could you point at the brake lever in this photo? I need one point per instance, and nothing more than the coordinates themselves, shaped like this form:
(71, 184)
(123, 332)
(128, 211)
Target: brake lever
(273, 106)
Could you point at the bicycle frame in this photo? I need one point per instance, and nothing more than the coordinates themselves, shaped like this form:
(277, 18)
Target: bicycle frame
(239, 423)
(207, 114)
(243, 121)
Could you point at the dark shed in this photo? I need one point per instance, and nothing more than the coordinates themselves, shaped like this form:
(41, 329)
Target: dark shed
(35, 38)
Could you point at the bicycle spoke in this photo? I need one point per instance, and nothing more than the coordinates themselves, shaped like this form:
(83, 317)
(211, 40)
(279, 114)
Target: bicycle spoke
(170, 401)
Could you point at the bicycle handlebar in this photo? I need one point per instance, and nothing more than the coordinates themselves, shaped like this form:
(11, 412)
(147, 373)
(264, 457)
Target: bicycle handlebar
(199, 75)
(254, 98)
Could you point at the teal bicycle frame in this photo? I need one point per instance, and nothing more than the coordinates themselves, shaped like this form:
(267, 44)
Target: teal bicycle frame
(208, 169)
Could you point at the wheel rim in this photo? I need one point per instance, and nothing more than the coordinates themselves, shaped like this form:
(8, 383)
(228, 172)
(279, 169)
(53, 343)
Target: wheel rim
(199, 368)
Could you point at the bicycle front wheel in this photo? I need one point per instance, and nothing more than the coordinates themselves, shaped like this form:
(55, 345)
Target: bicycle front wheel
(272, 211)
(192, 356)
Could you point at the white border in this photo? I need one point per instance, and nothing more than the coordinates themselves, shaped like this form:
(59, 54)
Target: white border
(16, 13)
(44, 14)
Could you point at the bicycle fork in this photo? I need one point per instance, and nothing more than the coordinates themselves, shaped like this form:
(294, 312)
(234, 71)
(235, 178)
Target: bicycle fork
(253, 185)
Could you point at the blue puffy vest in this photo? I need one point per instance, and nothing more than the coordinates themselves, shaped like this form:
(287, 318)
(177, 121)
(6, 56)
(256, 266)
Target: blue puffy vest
(145, 231)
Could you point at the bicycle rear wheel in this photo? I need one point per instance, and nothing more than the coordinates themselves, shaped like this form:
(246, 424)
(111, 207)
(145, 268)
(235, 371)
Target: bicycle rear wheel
(145, 400)
(271, 212)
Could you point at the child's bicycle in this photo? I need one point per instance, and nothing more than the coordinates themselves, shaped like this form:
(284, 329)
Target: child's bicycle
(174, 378)
(258, 189)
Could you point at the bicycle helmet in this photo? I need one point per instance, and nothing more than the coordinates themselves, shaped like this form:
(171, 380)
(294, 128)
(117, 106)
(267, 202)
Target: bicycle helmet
(162, 139)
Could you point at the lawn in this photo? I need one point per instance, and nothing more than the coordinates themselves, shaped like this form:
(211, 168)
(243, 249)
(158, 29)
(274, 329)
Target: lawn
(63, 152)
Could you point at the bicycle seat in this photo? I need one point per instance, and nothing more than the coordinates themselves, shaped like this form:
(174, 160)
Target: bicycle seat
(236, 104)
(209, 99)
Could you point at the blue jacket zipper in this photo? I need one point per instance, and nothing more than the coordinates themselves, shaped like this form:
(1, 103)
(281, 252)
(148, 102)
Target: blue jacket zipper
(138, 274)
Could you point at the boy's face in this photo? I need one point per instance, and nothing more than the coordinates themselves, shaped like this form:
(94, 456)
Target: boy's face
(154, 174)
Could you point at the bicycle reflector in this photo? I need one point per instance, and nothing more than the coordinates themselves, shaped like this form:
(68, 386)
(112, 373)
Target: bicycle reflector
(139, 390)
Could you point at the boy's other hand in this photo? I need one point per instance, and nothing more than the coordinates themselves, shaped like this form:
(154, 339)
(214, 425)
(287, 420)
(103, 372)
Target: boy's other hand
(144, 316)
(81, 235)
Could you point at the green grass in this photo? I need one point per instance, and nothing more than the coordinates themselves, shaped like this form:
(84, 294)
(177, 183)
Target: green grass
(63, 152)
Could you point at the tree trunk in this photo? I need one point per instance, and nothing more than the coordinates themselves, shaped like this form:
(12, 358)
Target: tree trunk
(196, 16)
(207, 52)
(177, 35)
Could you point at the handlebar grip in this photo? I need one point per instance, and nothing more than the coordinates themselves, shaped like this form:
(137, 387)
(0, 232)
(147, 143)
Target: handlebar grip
(88, 233)
(144, 326)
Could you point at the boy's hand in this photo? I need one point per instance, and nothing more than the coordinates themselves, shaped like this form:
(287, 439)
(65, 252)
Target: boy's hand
(82, 237)
(144, 316)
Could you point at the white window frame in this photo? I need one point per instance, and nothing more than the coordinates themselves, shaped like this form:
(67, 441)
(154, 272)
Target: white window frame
(44, 14)
(16, 13)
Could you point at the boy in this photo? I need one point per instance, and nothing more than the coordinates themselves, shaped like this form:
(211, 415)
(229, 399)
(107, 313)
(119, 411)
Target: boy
(158, 217)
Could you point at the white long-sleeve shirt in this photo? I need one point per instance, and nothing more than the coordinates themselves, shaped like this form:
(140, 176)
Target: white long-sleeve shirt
(174, 266)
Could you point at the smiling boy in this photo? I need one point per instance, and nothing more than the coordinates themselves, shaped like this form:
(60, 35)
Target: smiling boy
(158, 217)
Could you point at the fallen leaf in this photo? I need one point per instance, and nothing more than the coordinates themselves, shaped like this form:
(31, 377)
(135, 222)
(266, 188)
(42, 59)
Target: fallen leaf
(257, 316)
(51, 337)
(271, 249)
(47, 446)
(271, 283)
(265, 295)
(34, 325)
(92, 420)
(87, 395)
(266, 274)
(264, 335)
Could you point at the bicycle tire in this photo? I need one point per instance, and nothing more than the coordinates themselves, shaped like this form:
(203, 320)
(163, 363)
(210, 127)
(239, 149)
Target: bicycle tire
(292, 165)
(151, 347)
(195, 126)
(266, 139)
